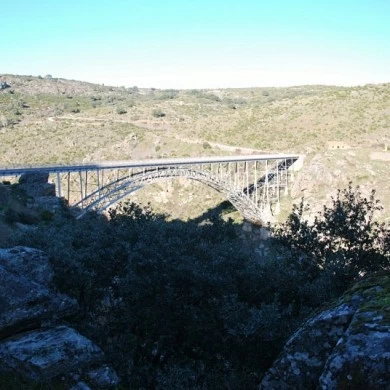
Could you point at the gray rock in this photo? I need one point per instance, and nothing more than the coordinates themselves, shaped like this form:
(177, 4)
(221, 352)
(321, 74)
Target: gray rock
(44, 354)
(36, 184)
(34, 178)
(24, 304)
(103, 377)
(305, 353)
(28, 262)
(344, 347)
(361, 358)
(45, 350)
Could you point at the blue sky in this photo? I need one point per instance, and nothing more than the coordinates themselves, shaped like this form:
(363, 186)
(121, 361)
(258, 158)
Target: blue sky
(198, 44)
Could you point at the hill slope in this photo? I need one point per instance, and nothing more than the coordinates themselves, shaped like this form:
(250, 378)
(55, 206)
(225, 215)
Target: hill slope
(344, 132)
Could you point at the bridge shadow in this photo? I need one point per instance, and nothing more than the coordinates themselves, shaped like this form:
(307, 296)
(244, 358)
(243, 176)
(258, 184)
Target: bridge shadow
(218, 211)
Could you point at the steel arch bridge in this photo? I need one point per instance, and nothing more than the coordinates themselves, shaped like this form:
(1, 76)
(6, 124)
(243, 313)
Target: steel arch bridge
(253, 184)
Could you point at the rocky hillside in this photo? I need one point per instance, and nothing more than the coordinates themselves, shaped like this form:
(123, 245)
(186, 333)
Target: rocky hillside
(343, 132)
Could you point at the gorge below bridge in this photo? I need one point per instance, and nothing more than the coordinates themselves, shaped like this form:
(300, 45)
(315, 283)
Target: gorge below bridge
(252, 183)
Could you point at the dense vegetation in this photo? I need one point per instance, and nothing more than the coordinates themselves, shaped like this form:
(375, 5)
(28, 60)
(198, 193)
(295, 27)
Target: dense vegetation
(186, 305)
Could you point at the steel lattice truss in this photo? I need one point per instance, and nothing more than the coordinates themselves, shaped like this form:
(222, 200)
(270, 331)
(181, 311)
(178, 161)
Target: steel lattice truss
(251, 183)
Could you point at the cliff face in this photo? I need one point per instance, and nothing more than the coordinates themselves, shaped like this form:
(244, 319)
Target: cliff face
(344, 347)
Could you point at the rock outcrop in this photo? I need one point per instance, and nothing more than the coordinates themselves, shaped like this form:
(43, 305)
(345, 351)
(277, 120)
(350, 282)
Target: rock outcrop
(34, 343)
(344, 347)
(47, 353)
(31, 263)
(36, 184)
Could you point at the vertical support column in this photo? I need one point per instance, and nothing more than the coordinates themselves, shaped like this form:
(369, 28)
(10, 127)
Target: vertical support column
(59, 192)
(266, 183)
(255, 185)
(81, 189)
(243, 178)
(292, 169)
(68, 187)
(278, 182)
(86, 184)
(247, 178)
(98, 182)
(286, 170)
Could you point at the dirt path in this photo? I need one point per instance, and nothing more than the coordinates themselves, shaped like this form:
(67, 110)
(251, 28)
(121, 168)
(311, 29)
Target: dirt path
(84, 119)
(228, 148)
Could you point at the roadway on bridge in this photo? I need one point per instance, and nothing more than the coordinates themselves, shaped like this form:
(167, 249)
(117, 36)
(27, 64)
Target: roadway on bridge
(128, 164)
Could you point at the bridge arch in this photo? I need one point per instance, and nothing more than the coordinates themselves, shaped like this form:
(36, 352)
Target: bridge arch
(118, 189)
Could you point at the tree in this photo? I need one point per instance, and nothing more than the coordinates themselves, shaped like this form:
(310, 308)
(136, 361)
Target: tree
(344, 239)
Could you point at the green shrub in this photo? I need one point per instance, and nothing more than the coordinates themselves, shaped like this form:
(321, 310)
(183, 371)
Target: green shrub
(166, 94)
(344, 239)
(158, 113)
(121, 110)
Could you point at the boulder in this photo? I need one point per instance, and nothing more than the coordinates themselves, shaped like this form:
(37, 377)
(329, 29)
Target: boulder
(103, 377)
(47, 353)
(34, 178)
(33, 344)
(35, 184)
(31, 263)
(346, 346)
(25, 304)
(361, 358)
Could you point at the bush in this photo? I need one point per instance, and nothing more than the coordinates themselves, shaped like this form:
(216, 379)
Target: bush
(121, 110)
(157, 113)
(167, 94)
(344, 239)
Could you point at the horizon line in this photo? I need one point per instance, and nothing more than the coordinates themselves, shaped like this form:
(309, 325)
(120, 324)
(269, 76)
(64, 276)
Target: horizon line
(293, 85)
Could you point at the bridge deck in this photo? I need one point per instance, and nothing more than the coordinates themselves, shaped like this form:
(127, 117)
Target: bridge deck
(80, 167)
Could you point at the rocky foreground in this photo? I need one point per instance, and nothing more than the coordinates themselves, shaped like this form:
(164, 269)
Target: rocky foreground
(36, 342)
(344, 347)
